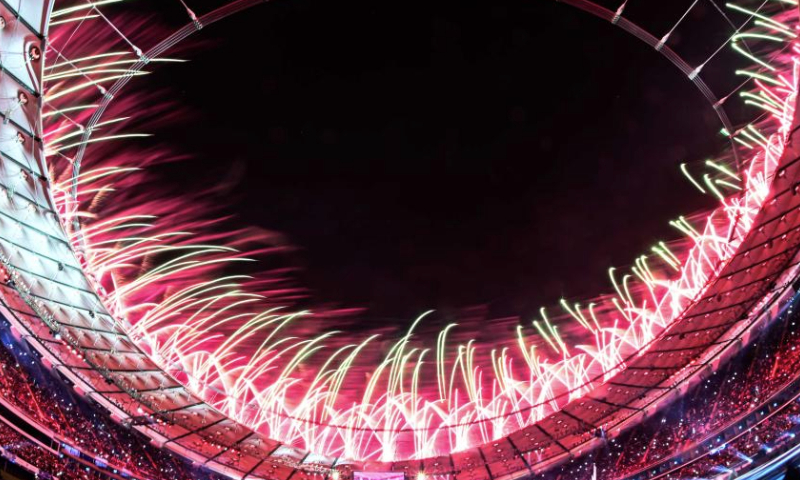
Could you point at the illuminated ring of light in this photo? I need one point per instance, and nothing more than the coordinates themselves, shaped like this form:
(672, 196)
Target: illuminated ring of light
(121, 83)
(239, 5)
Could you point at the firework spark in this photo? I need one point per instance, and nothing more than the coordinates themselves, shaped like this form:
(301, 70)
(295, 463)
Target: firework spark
(165, 272)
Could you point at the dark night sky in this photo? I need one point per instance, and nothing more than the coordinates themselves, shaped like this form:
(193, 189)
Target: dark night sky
(441, 154)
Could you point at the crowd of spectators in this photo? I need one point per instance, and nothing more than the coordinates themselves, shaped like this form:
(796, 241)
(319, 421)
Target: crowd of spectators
(757, 373)
(17, 449)
(48, 402)
(765, 437)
